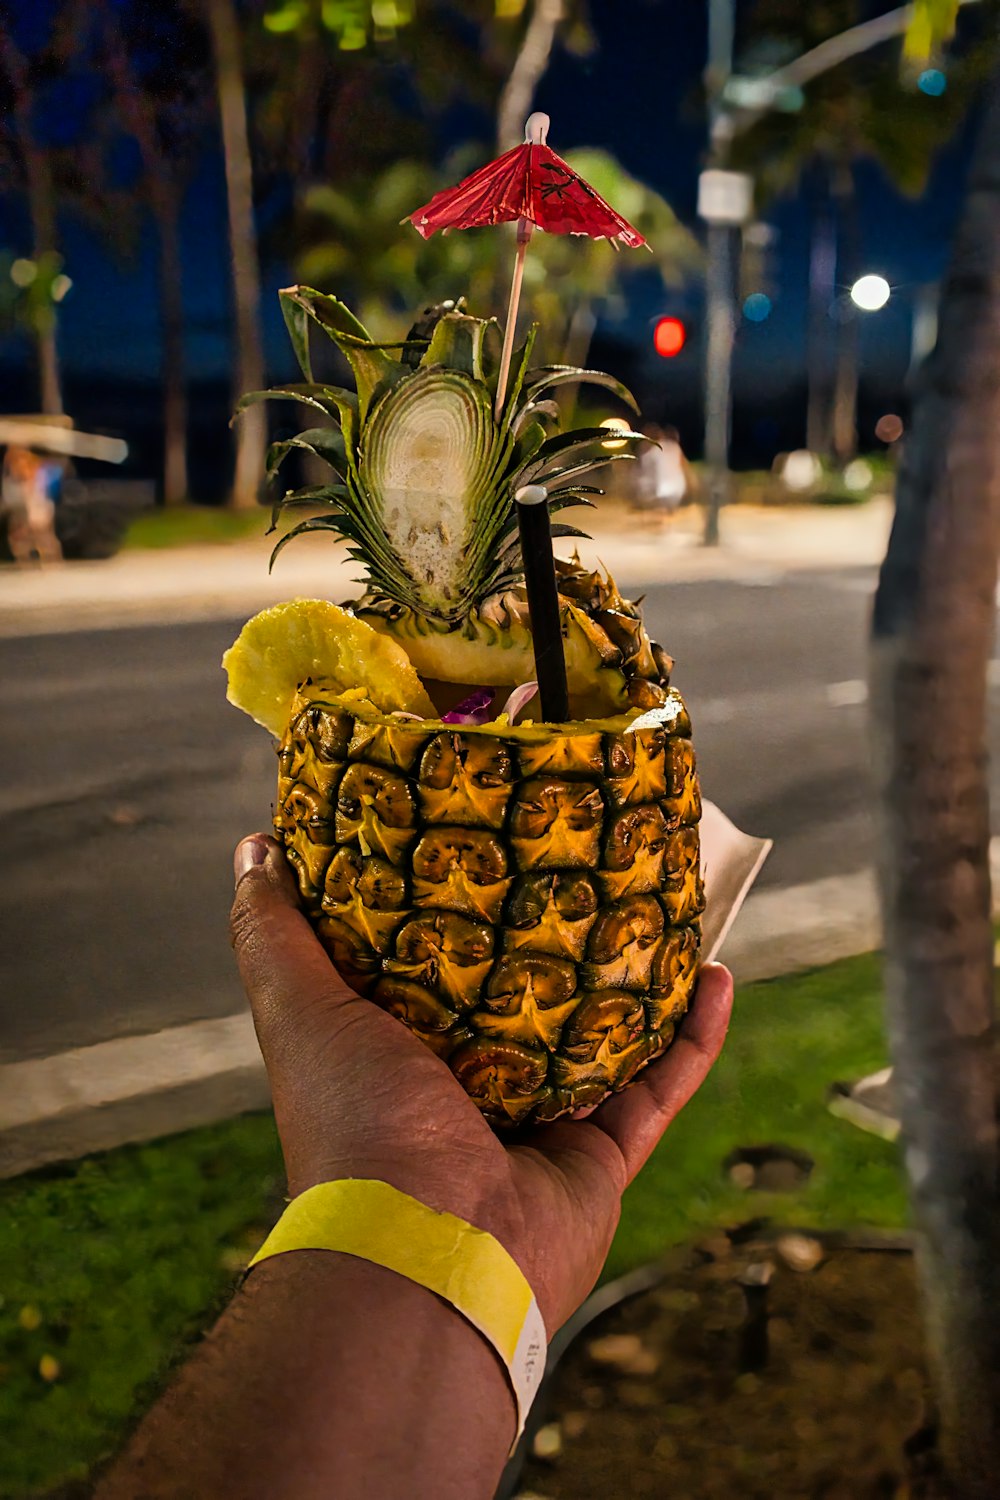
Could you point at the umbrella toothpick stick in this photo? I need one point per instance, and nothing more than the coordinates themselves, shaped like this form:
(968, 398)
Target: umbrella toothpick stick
(536, 129)
(533, 186)
(524, 228)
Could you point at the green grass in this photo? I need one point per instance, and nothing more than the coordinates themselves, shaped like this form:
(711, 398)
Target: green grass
(123, 1258)
(182, 525)
(762, 487)
(790, 1039)
(126, 1257)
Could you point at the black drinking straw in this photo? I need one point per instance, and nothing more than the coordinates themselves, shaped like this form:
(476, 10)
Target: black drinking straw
(543, 601)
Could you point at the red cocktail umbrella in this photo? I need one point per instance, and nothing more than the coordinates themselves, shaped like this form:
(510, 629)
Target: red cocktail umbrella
(536, 187)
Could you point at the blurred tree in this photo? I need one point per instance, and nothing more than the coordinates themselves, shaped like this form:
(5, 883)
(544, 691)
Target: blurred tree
(53, 149)
(318, 74)
(932, 640)
(530, 65)
(224, 26)
(338, 83)
(161, 106)
(349, 226)
(861, 109)
(353, 243)
(317, 70)
(27, 162)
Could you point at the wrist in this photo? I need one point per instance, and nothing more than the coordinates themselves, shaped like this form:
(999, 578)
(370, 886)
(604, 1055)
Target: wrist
(461, 1263)
(475, 1196)
(430, 1396)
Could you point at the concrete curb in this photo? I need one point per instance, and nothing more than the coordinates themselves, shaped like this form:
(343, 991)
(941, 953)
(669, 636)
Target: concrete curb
(200, 583)
(136, 1088)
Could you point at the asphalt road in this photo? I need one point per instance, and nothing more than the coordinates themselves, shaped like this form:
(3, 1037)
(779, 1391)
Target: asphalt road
(128, 778)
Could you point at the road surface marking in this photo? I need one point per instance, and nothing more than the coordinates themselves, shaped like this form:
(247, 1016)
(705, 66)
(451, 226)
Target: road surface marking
(716, 711)
(846, 694)
(108, 679)
(765, 579)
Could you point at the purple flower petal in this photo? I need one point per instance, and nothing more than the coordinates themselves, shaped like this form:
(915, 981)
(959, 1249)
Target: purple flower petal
(472, 710)
(519, 698)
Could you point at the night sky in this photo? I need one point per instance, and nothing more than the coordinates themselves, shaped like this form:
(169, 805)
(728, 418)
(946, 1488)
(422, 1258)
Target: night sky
(637, 96)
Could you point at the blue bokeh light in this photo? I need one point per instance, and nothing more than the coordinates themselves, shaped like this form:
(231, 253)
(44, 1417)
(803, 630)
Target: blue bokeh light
(932, 81)
(757, 307)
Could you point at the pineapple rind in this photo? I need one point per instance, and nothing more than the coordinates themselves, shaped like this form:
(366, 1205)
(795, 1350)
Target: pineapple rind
(525, 898)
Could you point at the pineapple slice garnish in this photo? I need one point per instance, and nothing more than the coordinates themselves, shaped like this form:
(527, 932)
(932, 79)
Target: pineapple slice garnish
(313, 640)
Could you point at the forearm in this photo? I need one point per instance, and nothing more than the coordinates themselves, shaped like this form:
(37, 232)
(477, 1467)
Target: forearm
(327, 1376)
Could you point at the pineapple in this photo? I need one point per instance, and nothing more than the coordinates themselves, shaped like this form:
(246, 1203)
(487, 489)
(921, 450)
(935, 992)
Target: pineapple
(524, 896)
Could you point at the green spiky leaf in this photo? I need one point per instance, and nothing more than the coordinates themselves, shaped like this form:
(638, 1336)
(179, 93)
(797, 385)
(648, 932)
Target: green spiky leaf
(577, 452)
(515, 378)
(329, 399)
(567, 499)
(373, 369)
(315, 495)
(535, 411)
(548, 377)
(332, 315)
(426, 472)
(297, 323)
(458, 343)
(325, 443)
(315, 523)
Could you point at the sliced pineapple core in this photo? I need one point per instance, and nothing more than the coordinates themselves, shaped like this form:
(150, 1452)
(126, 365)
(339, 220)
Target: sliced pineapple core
(484, 653)
(311, 640)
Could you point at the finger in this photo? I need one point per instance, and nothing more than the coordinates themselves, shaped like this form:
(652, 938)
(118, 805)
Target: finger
(636, 1118)
(285, 969)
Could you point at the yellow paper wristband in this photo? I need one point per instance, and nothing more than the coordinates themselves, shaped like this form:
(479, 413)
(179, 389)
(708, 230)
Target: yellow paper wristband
(464, 1265)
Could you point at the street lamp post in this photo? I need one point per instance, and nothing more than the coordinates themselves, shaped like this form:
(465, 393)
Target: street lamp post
(725, 201)
(720, 276)
(733, 105)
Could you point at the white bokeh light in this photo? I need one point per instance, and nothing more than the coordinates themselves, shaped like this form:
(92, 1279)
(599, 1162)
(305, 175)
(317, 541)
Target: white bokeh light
(870, 293)
(614, 424)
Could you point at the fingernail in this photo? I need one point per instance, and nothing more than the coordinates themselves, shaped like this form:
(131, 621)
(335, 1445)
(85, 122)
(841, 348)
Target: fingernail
(251, 852)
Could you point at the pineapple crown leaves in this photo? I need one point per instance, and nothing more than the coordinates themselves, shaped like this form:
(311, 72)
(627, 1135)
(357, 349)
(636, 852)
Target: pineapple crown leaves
(425, 474)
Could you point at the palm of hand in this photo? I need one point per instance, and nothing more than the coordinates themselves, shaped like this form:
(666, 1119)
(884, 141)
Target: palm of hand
(357, 1095)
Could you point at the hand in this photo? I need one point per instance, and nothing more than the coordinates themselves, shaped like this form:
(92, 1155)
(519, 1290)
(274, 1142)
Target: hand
(357, 1095)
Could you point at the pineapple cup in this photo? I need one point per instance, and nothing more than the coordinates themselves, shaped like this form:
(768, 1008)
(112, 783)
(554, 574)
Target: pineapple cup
(525, 897)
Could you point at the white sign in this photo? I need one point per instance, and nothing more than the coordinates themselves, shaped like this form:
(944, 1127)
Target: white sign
(725, 197)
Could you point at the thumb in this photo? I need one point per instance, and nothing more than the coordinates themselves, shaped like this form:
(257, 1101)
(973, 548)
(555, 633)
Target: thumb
(636, 1118)
(285, 970)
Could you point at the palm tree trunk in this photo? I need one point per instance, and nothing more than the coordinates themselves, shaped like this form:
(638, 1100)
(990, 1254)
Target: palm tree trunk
(845, 391)
(822, 294)
(42, 210)
(579, 334)
(162, 186)
(251, 431)
(529, 67)
(166, 208)
(42, 204)
(932, 638)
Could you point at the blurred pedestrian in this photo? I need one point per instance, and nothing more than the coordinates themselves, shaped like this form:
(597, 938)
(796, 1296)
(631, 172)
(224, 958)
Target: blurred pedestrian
(27, 507)
(664, 480)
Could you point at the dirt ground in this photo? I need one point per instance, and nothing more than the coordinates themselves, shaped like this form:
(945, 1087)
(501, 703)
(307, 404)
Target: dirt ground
(741, 1378)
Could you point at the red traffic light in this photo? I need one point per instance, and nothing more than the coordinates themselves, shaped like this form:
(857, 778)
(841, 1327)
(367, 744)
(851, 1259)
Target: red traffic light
(669, 337)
